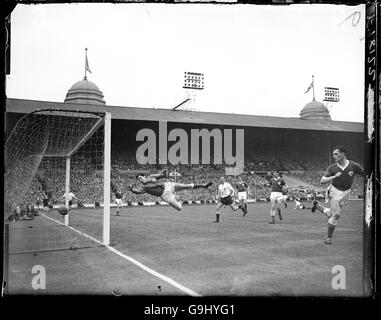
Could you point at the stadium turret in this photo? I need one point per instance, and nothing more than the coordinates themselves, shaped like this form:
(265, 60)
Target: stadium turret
(315, 110)
(85, 92)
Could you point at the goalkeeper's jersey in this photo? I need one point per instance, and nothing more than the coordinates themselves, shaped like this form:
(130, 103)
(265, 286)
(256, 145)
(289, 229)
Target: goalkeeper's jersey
(155, 189)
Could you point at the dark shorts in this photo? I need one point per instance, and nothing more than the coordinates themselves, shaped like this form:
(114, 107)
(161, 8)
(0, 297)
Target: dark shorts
(227, 201)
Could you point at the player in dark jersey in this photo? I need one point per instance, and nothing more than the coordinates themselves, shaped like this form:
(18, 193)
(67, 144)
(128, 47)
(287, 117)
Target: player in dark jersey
(118, 197)
(341, 175)
(164, 190)
(276, 196)
(242, 193)
(46, 200)
(118, 201)
(285, 195)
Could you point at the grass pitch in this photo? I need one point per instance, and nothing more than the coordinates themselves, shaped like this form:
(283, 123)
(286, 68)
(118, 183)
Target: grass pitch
(239, 256)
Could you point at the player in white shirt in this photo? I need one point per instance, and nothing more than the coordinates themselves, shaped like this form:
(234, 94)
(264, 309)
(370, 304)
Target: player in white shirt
(225, 198)
(69, 196)
(309, 196)
(299, 205)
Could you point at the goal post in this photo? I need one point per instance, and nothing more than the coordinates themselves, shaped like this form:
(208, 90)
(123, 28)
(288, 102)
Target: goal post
(67, 186)
(49, 153)
(107, 179)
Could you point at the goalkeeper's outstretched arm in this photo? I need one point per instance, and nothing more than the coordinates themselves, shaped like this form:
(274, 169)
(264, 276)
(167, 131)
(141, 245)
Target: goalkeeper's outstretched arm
(138, 190)
(161, 175)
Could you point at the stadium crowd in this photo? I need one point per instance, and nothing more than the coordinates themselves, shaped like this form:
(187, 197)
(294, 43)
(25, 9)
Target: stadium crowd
(89, 188)
(86, 181)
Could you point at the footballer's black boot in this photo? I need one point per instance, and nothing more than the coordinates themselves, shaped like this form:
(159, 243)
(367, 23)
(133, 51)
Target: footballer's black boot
(314, 205)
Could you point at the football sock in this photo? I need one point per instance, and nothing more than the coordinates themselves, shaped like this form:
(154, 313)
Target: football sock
(217, 217)
(331, 228)
(321, 208)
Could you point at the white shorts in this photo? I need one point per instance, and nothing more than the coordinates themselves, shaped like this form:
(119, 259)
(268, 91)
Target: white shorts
(338, 195)
(168, 193)
(118, 202)
(242, 195)
(276, 196)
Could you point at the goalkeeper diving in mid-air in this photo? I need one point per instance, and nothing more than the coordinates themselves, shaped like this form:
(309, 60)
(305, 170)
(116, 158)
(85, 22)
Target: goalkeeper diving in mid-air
(165, 190)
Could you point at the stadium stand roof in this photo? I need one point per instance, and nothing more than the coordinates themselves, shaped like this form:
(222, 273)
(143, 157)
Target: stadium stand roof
(151, 114)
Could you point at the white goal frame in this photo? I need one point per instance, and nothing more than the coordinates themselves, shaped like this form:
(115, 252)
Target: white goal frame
(105, 120)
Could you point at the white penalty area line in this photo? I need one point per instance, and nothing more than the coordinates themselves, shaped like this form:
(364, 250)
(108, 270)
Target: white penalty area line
(134, 261)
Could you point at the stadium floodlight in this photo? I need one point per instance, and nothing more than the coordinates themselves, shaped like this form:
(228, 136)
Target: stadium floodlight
(331, 94)
(54, 151)
(193, 81)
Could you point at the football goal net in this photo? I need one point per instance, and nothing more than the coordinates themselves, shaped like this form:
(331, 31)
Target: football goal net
(57, 180)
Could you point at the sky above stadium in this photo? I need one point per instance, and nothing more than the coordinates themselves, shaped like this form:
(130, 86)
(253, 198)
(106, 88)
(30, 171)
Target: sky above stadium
(255, 59)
